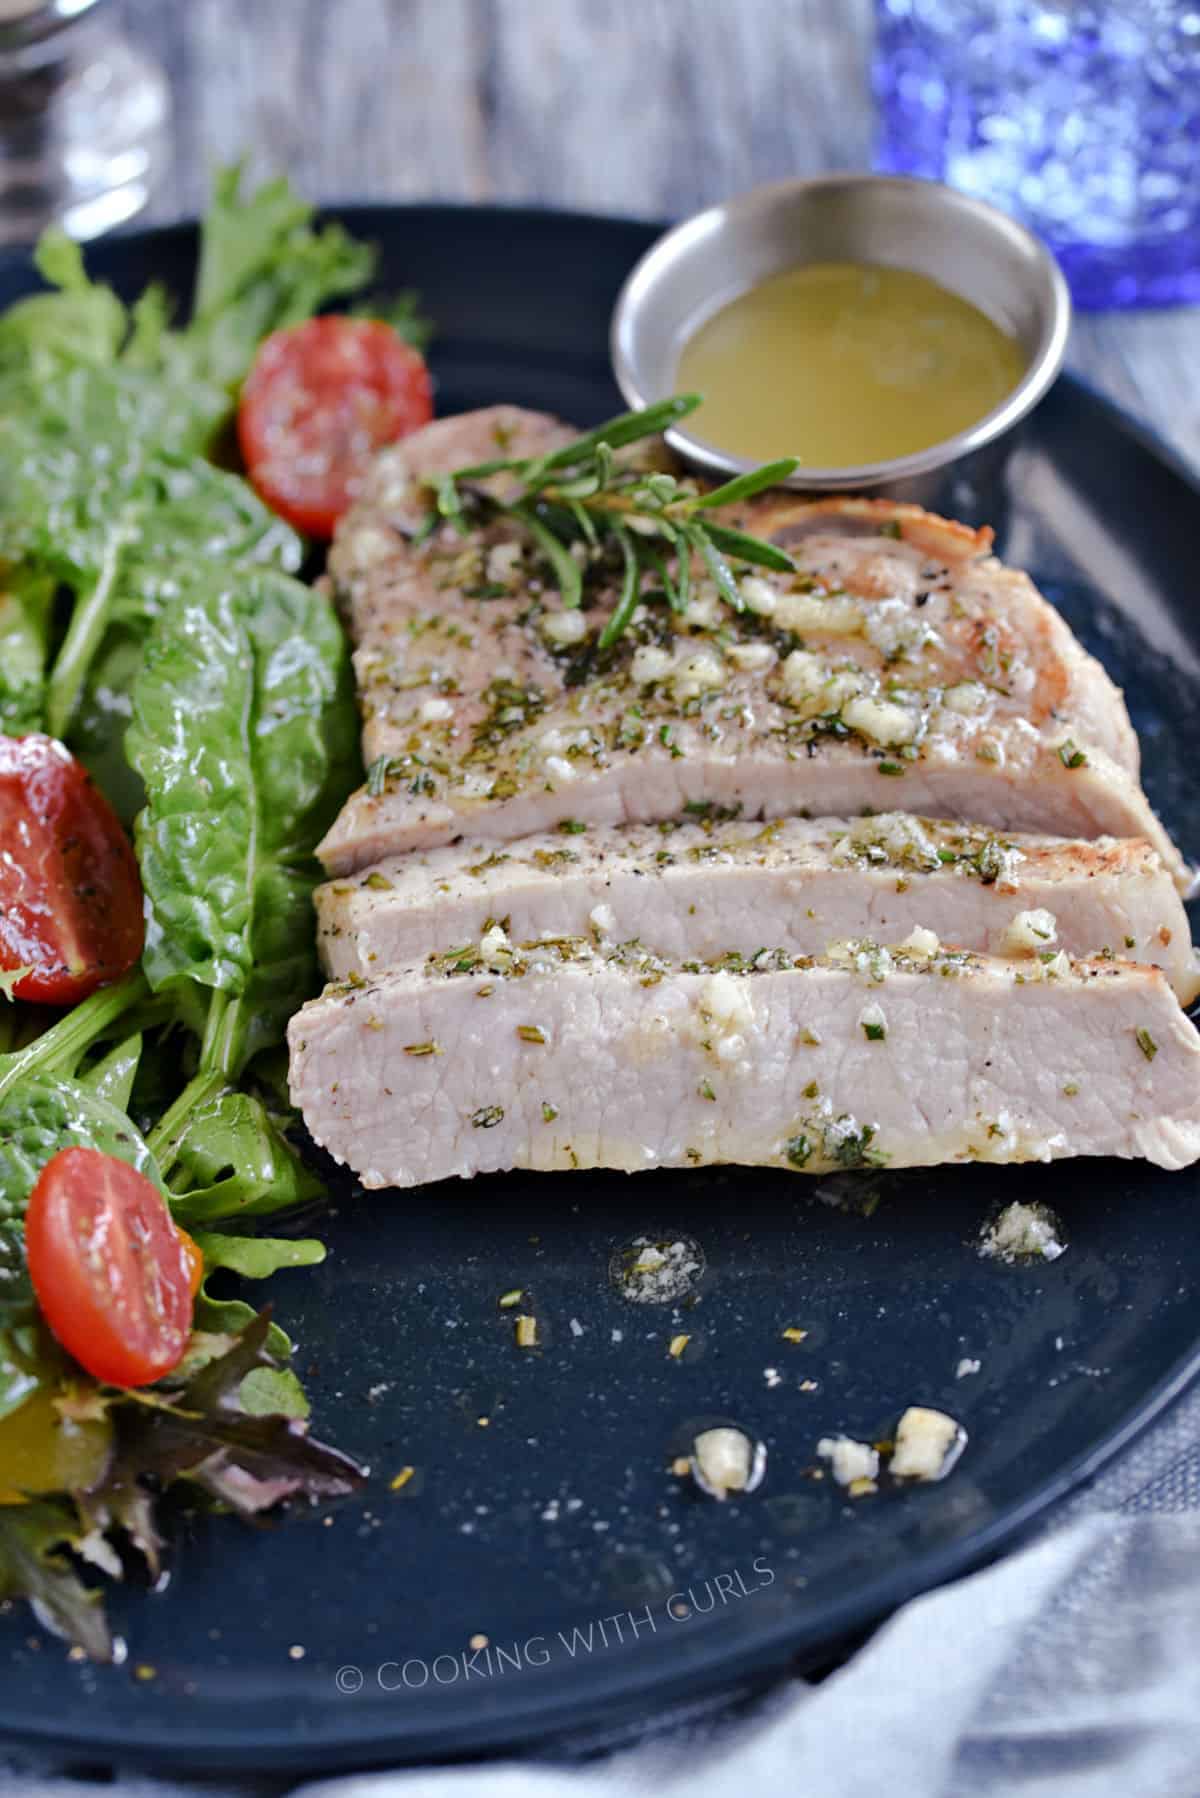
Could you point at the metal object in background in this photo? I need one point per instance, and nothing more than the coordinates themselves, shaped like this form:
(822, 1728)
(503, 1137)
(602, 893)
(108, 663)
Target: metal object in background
(1081, 117)
(966, 246)
(83, 117)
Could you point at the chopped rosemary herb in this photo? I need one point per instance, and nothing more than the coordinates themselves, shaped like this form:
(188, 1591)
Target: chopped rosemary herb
(421, 1049)
(657, 523)
(378, 882)
(549, 1112)
(1070, 756)
(571, 827)
(706, 1091)
(1146, 1043)
(531, 1033)
(798, 1149)
(852, 1148)
(487, 1117)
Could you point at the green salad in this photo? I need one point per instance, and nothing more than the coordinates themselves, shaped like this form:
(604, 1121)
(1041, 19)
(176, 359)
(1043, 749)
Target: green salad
(153, 624)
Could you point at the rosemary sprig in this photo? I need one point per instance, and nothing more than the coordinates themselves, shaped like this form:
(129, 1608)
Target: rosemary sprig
(581, 494)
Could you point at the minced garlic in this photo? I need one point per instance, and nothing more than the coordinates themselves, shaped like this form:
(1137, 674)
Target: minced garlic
(1030, 930)
(564, 627)
(850, 1461)
(725, 1460)
(880, 719)
(928, 1443)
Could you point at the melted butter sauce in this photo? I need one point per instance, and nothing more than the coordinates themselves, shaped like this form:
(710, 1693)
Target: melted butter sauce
(842, 363)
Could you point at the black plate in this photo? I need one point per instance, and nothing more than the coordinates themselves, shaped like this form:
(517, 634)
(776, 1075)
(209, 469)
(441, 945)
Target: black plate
(558, 1515)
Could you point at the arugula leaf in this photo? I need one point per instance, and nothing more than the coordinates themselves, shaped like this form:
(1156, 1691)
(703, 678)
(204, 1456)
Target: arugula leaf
(258, 1257)
(244, 732)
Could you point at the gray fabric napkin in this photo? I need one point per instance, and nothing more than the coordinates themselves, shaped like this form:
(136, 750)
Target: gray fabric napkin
(1071, 1669)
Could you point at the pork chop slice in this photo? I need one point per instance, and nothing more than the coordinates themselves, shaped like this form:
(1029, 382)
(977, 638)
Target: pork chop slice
(901, 666)
(701, 887)
(561, 1055)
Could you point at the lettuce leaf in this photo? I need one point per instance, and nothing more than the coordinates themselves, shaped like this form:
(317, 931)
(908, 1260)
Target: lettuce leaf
(235, 1429)
(263, 264)
(106, 414)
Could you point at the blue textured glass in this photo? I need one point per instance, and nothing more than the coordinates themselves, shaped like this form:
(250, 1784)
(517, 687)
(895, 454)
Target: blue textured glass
(1080, 117)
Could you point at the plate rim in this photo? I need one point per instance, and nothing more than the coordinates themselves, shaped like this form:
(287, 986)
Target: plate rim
(548, 1712)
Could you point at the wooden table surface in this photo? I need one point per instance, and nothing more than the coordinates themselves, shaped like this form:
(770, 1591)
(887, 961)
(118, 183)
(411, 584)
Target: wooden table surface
(643, 107)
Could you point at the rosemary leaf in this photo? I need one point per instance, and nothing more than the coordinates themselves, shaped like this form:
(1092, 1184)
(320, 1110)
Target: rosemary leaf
(627, 602)
(449, 503)
(567, 571)
(656, 518)
(627, 427)
(719, 568)
(670, 584)
(749, 549)
(585, 522)
(683, 576)
(582, 487)
(745, 486)
(478, 470)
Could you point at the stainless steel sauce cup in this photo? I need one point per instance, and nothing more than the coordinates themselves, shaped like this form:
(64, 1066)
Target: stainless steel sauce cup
(970, 248)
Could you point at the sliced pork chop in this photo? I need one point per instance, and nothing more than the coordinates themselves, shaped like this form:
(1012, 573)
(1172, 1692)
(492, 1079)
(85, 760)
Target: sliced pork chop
(901, 666)
(562, 1056)
(702, 887)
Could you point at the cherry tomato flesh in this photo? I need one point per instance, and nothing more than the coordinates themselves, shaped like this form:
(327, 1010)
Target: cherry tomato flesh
(109, 1267)
(70, 893)
(320, 399)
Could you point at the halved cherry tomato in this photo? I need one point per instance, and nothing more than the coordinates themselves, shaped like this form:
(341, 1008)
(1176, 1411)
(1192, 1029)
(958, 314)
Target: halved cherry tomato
(109, 1267)
(321, 398)
(70, 893)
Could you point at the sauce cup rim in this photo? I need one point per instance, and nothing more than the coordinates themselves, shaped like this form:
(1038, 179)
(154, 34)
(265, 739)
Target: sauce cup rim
(654, 268)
